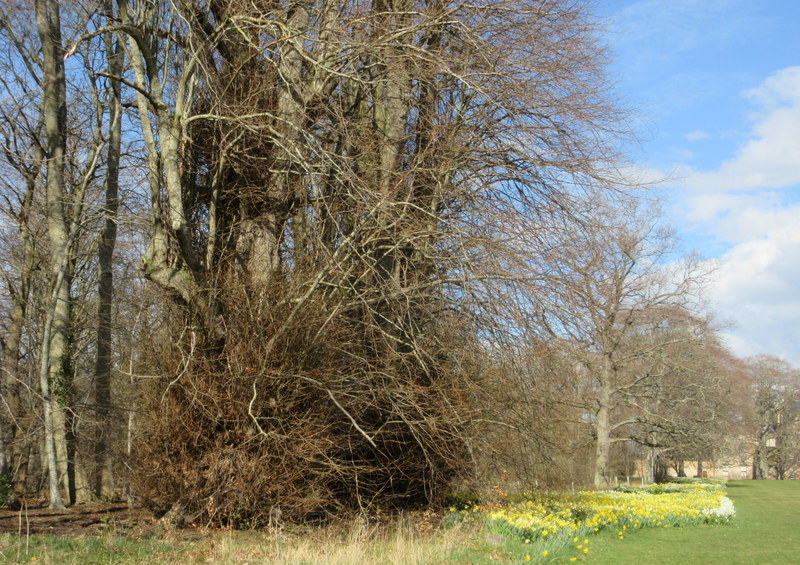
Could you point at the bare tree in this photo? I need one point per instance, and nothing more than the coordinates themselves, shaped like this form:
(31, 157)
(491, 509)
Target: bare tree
(21, 181)
(680, 408)
(338, 193)
(613, 302)
(367, 220)
(775, 396)
(113, 51)
(46, 139)
(55, 356)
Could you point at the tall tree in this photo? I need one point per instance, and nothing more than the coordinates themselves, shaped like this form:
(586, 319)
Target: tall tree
(775, 390)
(114, 54)
(611, 301)
(69, 177)
(678, 407)
(55, 355)
(337, 188)
(21, 184)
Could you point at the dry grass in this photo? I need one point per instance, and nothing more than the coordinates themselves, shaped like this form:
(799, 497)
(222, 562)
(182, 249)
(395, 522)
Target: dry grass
(402, 540)
(359, 543)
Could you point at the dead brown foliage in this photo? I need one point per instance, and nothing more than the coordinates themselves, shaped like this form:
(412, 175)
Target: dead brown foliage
(320, 426)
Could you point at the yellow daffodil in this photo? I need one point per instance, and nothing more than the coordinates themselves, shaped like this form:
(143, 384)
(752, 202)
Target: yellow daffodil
(571, 516)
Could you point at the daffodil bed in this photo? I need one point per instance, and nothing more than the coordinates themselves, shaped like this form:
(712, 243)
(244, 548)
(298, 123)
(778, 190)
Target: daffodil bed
(554, 521)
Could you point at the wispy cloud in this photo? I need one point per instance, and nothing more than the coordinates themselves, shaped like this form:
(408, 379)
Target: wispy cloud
(685, 24)
(697, 135)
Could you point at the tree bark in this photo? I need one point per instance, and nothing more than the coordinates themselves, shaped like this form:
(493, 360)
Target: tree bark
(603, 428)
(105, 255)
(55, 370)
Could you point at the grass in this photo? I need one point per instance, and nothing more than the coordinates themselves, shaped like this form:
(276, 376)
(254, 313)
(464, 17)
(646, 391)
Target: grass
(355, 543)
(68, 550)
(765, 530)
(358, 543)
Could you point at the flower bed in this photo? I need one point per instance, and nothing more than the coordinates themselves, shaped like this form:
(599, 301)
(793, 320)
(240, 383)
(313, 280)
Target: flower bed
(553, 521)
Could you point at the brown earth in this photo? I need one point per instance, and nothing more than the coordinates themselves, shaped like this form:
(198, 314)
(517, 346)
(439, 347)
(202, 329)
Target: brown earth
(82, 519)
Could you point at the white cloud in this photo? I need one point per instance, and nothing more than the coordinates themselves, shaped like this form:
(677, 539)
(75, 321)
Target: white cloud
(757, 287)
(769, 158)
(736, 218)
(751, 202)
(781, 88)
(754, 191)
(753, 216)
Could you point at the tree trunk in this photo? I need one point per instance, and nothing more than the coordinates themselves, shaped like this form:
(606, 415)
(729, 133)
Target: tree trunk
(603, 424)
(56, 502)
(175, 272)
(55, 377)
(603, 448)
(763, 462)
(651, 470)
(105, 254)
(4, 470)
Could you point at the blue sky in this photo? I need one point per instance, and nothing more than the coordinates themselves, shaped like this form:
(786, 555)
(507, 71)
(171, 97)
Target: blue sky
(715, 85)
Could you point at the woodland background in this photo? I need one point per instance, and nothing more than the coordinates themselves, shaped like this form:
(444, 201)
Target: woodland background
(285, 259)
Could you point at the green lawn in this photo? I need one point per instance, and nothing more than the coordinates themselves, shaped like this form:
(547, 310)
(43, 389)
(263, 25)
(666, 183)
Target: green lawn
(766, 530)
